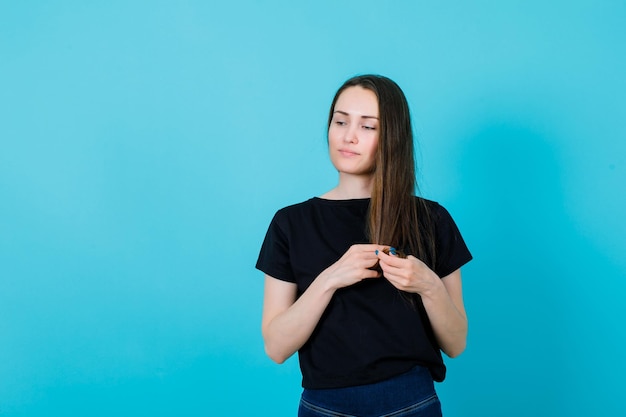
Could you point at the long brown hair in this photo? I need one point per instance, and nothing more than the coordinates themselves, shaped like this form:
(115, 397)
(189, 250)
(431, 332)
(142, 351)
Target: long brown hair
(396, 217)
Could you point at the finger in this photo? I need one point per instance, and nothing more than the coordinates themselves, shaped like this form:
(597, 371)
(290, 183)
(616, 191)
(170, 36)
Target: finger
(381, 249)
(390, 272)
(392, 260)
(394, 269)
(393, 280)
(371, 247)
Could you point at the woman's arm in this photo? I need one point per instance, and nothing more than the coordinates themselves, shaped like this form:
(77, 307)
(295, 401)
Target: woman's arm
(289, 321)
(446, 312)
(442, 298)
(287, 324)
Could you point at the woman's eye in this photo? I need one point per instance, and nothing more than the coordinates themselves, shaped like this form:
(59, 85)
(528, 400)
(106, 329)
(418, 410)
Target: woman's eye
(369, 127)
(340, 122)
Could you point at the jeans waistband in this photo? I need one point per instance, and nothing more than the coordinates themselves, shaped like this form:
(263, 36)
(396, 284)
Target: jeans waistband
(385, 397)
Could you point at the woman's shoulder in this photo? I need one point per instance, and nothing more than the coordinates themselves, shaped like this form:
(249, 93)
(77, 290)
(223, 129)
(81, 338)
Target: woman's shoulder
(295, 207)
(428, 204)
(295, 210)
(317, 207)
(433, 209)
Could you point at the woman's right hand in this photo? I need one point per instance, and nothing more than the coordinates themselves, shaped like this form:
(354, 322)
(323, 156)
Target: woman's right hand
(354, 266)
(289, 320)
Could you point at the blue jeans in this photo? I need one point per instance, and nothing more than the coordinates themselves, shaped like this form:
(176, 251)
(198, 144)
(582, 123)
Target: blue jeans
(410, 394)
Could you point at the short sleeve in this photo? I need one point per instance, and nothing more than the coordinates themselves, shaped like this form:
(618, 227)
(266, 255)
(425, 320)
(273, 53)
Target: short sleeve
(451, 250)
(274, 257)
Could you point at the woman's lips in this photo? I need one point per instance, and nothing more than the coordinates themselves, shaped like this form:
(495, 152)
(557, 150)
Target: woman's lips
(347, 153)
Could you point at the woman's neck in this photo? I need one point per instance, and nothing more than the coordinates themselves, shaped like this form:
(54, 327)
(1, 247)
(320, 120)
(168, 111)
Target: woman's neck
(351, 187)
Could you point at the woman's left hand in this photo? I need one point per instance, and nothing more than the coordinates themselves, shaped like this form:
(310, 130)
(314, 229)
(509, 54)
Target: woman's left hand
(442, 298)
(408, 274)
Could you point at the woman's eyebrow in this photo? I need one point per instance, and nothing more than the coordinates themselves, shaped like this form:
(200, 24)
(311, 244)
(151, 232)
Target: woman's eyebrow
(348, 114)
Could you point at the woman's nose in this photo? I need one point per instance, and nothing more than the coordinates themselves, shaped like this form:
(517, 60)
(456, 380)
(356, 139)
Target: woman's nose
(350, 136)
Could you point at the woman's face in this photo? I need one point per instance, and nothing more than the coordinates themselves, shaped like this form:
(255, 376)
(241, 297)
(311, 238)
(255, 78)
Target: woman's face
(353, 131)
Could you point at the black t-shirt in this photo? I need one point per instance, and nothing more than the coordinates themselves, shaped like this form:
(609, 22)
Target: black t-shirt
(369, 332)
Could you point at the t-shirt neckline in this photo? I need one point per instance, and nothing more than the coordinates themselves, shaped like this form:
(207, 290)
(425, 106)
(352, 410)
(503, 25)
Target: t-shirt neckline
(341, 202)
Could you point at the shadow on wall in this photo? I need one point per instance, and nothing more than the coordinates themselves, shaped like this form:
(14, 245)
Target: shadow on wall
(536, 319)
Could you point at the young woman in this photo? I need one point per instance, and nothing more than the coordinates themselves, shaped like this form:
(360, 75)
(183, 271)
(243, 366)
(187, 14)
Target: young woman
(368, 322)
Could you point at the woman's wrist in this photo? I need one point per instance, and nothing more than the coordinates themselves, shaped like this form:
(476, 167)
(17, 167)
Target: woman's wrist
(435, 290)
(327, 282)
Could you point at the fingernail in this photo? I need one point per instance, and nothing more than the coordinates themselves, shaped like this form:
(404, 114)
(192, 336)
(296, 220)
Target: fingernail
(376, 251)
(393, 251)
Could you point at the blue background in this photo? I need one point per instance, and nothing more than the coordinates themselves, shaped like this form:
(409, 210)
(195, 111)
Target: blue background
(146, 145)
